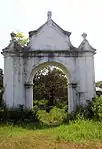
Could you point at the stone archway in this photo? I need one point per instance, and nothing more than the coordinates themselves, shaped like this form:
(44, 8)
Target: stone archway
(29, 84)
(48, 44)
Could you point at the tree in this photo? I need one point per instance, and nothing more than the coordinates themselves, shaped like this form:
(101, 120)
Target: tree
(1, 78)
(1, 85)
(99, 84)
(50, 84)
(21, 39)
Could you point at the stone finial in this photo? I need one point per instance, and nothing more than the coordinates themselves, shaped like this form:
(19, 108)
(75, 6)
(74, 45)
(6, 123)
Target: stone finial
(84, 35)
(49, 15)
(13, 35)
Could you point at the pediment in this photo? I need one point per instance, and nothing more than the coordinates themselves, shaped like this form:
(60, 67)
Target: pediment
(49, 37)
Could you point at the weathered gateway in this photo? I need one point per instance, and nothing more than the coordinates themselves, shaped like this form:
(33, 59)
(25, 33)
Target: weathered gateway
(48, 45)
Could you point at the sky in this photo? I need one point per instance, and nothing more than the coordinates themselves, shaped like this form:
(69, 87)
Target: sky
(76, 16)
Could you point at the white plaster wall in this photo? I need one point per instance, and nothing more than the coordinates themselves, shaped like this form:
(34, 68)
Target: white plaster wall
(29, 97)
(85, 76)
(90, 77)
(14, 92)
(49, 38)
(82, 80)
(19, 71)
(8, 81)
(19, 96)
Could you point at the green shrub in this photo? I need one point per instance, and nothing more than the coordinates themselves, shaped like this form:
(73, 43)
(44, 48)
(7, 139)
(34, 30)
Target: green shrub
(93, 110)
(1, 97)
(40, 104)
(55, 116)
(58, 115)
(17, 115)
(97, 108)
(84, 112)
(62, 105)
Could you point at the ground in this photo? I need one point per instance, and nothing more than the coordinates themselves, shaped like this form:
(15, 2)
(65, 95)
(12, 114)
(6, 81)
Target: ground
(75, 135)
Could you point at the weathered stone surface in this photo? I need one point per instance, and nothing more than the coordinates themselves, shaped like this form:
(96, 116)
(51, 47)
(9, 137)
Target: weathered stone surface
(49, 45)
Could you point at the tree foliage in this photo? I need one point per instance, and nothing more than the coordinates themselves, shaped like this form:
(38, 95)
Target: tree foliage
(50, 85)
(1, 78)
(21, 39)
(1, 85)
(99, 84)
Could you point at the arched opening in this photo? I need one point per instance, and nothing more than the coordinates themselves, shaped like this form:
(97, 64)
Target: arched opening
(50, 89)
(60, 67)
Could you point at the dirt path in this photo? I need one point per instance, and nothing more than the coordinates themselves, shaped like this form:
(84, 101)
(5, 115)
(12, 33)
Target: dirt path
(43, 142)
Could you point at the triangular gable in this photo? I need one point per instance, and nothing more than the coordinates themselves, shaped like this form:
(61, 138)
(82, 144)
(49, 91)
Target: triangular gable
(31, 33)
(49, 36)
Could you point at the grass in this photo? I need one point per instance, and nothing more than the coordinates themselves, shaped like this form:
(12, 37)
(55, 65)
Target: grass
(79, 134)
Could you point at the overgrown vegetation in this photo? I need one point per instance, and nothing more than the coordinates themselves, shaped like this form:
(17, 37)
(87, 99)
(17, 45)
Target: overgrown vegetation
(99, 84)
(17, 116)
(93, 110)
(80, 134)
(48, 124)
(56, 116)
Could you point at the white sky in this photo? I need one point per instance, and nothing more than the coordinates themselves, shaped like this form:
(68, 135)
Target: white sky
(76, 16)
